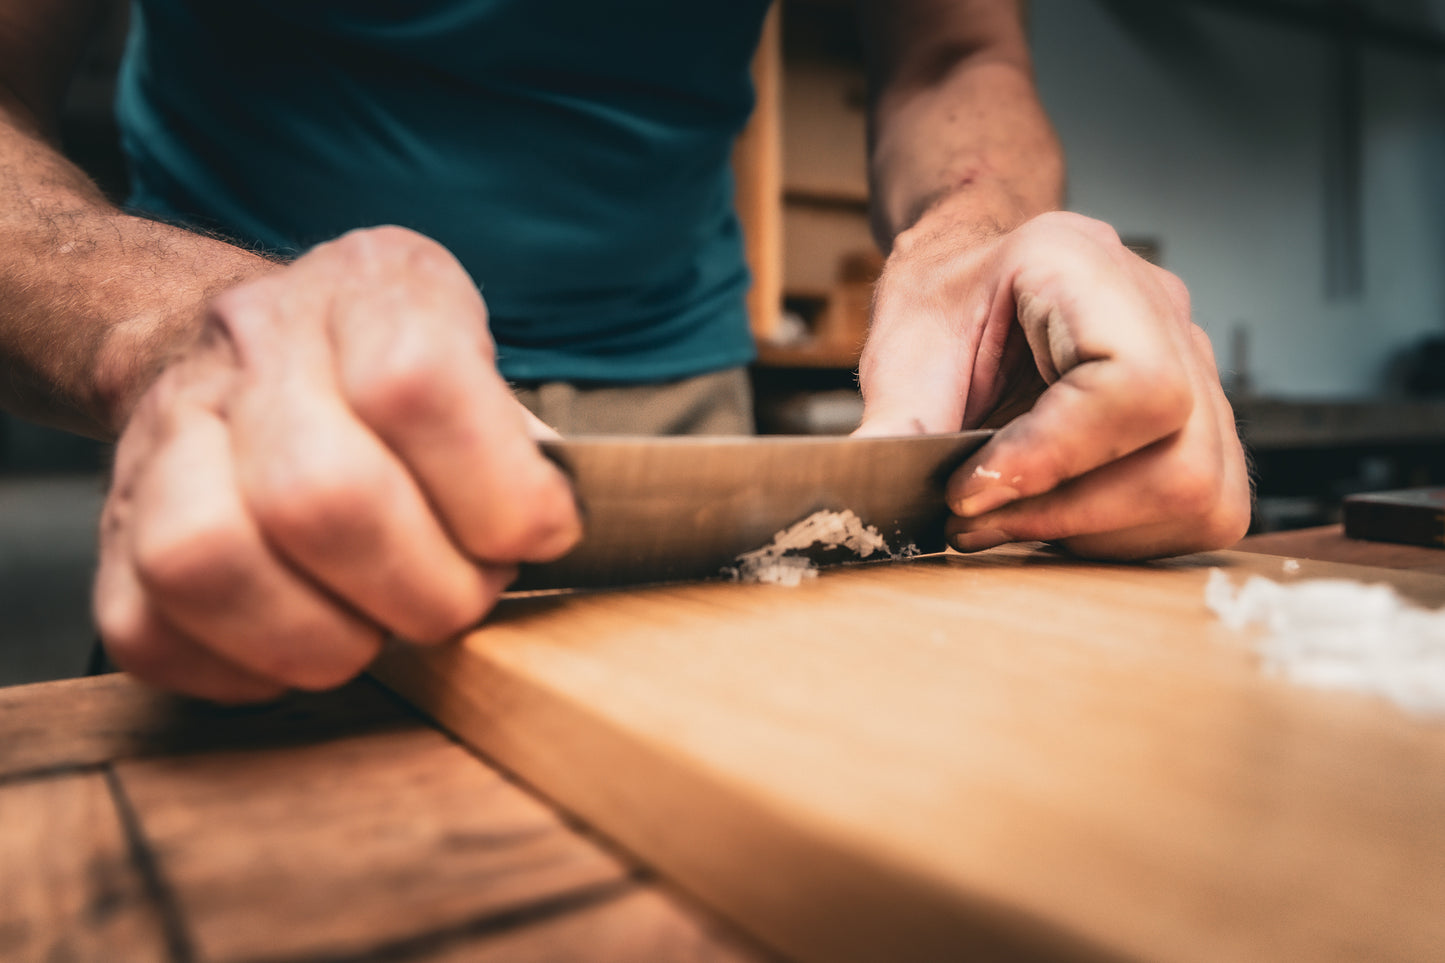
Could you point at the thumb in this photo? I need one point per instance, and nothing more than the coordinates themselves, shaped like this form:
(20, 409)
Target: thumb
(926, 353)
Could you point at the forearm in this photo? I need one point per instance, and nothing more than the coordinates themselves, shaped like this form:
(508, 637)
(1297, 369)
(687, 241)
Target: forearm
(958, 133)
(94, 300)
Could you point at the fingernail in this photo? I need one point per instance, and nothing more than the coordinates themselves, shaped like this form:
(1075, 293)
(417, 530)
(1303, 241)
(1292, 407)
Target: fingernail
(979, 541)
(981, 503)
(978, 489)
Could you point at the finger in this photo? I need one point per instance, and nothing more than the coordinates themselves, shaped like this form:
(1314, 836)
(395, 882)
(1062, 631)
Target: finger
(1120, 381)
(329, 495)
(1143, 489)
(1225, 524)
(338, 505)
(921, 390)
(924, 344)
(206, 569)
(415, 363)
(1188, 493)
(144, 645)
(536, 427)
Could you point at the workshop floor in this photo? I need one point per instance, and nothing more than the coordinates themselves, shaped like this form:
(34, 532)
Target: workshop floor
(47, 557)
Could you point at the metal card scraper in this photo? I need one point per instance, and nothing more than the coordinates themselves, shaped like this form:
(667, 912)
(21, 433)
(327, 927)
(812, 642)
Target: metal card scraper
(684, 508)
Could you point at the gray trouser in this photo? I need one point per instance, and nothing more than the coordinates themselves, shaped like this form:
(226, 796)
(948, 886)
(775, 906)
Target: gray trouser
(720, 403)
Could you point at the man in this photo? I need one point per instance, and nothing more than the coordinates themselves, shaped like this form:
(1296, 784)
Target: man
(314, 454)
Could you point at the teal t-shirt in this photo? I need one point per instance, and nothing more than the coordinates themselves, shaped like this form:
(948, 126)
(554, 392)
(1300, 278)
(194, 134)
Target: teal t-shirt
(573, 154)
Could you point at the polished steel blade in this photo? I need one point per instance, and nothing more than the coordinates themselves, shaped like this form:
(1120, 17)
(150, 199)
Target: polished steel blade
(684, 508)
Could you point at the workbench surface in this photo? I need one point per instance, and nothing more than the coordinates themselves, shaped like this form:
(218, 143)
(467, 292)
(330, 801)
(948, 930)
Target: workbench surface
(341, 827)
(137, 827)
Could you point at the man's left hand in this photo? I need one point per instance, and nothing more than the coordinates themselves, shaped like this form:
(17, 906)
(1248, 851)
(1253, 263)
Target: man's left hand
(1129, 451)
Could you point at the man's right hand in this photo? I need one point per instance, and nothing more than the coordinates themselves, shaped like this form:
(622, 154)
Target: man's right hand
(334, 460)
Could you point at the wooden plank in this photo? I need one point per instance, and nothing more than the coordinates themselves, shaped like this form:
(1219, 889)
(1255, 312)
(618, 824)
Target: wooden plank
(1328, 543)
(642, 924)
(70, 890)
(353, 845)
(59, 727)
(55, 726)
(1013, 754)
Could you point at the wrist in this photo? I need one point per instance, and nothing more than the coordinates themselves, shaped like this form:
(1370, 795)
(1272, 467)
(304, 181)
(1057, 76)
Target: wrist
(961, 217)
(129, 359)
(161, 326)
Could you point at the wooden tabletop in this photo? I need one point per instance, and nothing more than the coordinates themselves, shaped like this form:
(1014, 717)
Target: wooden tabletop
(138, 827)
(339, 827)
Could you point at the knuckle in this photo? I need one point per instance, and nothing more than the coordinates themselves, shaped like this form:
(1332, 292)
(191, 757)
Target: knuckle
(139, 657)
(319, 675)
(131, 643)
(1229, 522)
(197, 559)
(1041, 521)
(374, 243)
(541, 522)
(388, 236)
(512, 537)
(449, 618)
(1053, 268)
(1177, 291)
(312, 502)
(1203, 352)
(1193, 496)
(122, 627)
(392, 248)
(410, 383)
(1045, 467)
(1199, 340)
(505, 538)
(486, 346)
(428, 258)
(320, 651)
(243, 311)
(1159, 393)
(1215, 513)
(1075, 223)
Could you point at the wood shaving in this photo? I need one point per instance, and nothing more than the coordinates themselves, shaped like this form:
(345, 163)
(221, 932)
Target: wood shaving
(773, 565)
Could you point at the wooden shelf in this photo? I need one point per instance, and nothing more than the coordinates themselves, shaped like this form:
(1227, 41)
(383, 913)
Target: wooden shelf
(802, 191)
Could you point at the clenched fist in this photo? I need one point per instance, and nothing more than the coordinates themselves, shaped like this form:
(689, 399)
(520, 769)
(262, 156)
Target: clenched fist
(335, 459)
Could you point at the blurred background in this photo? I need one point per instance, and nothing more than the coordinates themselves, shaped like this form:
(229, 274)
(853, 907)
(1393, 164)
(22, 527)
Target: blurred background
(1286, 158)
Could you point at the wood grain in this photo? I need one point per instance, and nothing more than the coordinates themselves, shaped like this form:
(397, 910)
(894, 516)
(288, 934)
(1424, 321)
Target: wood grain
(351, 844)
(70, 892)
(641, 925)
(56, 726)
(1008, 756)
(337, 824)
